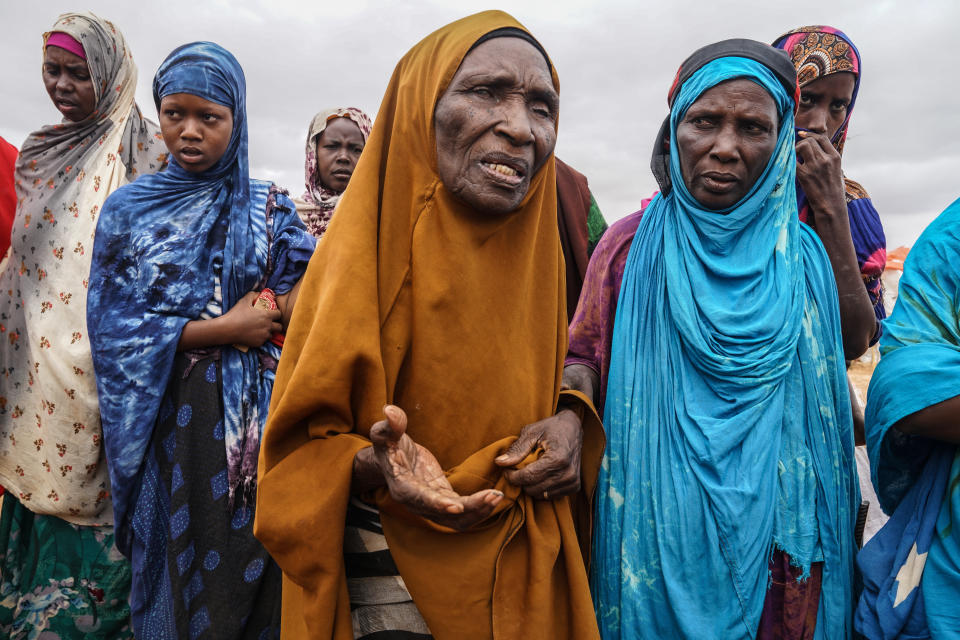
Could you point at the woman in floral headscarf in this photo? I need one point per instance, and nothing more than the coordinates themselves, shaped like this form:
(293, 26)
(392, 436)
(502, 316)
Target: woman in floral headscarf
(60, 570)
(828, 71)
(334, 142)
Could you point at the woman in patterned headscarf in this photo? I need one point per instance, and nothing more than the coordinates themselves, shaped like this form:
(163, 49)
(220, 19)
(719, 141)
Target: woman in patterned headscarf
(335, 141)
(60, 571)
(828, 71)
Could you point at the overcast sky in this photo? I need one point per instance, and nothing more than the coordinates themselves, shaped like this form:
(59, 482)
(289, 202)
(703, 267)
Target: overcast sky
(615, 60)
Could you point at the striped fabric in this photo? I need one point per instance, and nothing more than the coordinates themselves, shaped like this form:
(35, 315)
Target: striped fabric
(380, 604)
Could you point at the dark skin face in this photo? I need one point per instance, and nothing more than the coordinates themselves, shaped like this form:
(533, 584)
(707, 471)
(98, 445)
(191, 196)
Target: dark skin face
(195, 130)
(496, 125)
(338, 148)
(68, 83)
(824, 103)
(725, 140)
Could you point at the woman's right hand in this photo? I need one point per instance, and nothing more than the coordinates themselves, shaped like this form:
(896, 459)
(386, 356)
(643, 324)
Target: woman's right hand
(249, 325)
(415, 478)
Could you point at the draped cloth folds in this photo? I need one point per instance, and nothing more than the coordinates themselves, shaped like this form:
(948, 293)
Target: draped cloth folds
(727, 415)
(911, 567)
(458, 317)
(50, 438)
(573, 210)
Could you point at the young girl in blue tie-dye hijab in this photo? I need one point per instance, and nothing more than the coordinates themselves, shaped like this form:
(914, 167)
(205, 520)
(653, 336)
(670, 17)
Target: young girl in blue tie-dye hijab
(195, 272)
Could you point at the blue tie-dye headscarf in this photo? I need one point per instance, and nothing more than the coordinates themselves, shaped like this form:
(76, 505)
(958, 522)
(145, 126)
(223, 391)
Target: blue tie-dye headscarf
(727, 414)
(156, 247)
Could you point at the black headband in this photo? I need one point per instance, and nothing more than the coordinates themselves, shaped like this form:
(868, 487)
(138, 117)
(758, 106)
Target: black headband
(776, 60)
(513, 32)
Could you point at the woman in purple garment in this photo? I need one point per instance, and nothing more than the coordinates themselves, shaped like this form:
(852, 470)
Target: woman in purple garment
(828, 72)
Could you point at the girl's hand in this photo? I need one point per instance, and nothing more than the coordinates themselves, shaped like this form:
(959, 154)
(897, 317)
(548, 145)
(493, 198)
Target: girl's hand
(249, 326)
(820, 175)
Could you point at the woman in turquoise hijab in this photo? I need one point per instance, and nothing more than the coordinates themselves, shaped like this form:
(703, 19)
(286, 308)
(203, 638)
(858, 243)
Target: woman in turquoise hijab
(726, 500)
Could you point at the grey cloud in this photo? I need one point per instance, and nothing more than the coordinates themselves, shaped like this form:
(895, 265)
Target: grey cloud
(616, 61)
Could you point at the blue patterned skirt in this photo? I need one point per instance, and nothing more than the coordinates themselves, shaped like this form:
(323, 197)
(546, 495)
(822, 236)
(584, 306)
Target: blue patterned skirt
(198, 572)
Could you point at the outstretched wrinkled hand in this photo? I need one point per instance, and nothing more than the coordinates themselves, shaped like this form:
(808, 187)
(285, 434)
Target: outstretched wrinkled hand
(557, 472)
(417, 481)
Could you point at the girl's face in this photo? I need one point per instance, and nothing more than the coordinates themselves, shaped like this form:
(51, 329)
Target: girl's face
(339, 147)
(196, 131)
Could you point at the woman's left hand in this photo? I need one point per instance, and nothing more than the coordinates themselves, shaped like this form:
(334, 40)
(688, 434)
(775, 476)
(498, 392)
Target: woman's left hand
(820, 175)
(557, 472)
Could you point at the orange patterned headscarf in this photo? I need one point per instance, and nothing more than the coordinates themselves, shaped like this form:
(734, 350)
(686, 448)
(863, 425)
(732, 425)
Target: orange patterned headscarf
(819, 51)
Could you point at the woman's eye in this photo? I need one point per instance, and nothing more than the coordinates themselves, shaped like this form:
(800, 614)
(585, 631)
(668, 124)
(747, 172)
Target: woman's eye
(839, 105)
(542, 110)
(357, 150)
(805, 99)
(483, 92)
(211, 117)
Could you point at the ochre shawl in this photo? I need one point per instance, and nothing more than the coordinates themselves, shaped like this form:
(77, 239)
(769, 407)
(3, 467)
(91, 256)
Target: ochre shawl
(459, 318)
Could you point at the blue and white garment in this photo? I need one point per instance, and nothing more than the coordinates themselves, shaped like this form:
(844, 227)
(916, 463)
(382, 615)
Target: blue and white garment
(156, 245)
(911, 568)
(727, 413)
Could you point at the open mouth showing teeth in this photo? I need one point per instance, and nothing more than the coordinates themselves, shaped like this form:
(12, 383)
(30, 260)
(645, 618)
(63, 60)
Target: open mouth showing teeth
(502, 169)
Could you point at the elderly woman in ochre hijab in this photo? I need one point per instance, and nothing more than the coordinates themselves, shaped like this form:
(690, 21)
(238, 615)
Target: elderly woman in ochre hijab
(413, 475)
(709, 332)
(335, 140)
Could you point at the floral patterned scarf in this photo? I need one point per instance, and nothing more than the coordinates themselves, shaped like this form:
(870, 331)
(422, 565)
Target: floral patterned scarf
(317, 203)
(50, 438)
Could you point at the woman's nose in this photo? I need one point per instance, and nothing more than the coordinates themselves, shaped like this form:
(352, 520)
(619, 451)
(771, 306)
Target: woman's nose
(725, 144)
(515, 122)
(64, 83)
